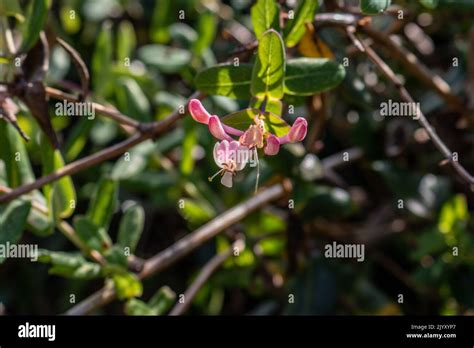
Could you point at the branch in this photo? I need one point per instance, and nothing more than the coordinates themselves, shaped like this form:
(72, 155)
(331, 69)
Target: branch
(388, 72)
(187, 244)
(148, 131)
(209, 268)
(397, 51)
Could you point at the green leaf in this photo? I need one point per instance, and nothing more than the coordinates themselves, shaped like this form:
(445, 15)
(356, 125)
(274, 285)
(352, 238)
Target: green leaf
(12, 221)
(13, 152)
(70, 265)
(274, 106)
(133, 162)
(373, 7)
(60, 195)
(93, 236)
(186, 165)
(243, 119)
(227, 80)
(77, 138)
(165, 58)
(196, 212)
(207, 25)
(35, 20)
(159, 31)
(307, 76)
(138, 307)
(11, 8)
(115, 256)
(269, 68)
(126, 41)
(159, 304)
(102, 61)
(295, 28)
(162, 300)
(103, 203)
(265, 15)
(132, 101)
(127, 285)
(131, 227)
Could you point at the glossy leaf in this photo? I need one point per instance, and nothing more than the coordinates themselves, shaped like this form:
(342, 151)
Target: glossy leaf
(93, 236)
(60, 195)
(165, 58)
(102, 61)
(307, 76)
(12, 222)
(127, 285)
(295, 27)
(13, 152)
(131, 227)
(132, 100)
(243, 119)
(207, 25)
(265, 15)
(227, 80)
(103, 203)
(269, 69)
(126, 41)
(36, 18)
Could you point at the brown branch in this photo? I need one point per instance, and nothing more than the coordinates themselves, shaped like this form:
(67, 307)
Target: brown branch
(110, 112)
(209, 268)
(80, 66)
(184, 246)
(388, 72)
(148, 131)
(397, 51)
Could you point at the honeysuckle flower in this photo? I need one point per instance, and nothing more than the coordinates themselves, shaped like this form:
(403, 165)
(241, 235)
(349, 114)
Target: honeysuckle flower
(216, 128)
(231, 157)
(256, 136)
(297, 133)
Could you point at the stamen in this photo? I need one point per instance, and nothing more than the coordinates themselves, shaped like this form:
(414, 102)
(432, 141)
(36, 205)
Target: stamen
(212, 177)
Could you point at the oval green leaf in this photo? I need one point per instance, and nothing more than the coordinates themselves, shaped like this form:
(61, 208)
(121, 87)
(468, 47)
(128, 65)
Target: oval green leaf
(307, 76)
(269, 68)
(295, 27)
(265, 15)
(227, 80)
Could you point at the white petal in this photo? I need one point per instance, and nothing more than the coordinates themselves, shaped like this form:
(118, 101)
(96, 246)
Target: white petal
(218, 157)
(227, 179)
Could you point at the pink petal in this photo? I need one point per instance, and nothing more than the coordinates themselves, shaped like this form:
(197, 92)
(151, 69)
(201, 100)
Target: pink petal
(227, 179)
(298, 130)
(215, 127)
(232, 130)
(273, 145)
(197, 111)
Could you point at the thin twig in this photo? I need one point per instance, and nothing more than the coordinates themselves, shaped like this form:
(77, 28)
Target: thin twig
(397, 51)
(110, 112)
(148, 131)
(388, 72)
(206, 272)
(185, 245)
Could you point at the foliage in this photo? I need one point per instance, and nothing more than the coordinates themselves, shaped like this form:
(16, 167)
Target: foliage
(266, 60)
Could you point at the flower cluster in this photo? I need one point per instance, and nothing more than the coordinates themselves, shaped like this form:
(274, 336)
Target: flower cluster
(232, 155)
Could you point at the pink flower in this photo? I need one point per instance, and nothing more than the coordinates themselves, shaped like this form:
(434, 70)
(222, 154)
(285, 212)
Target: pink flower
(231, 157)
(255, 136)
(297, 133)
(216, 128)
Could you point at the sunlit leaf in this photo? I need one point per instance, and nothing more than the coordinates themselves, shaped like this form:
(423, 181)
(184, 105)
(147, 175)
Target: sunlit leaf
(269, 68)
